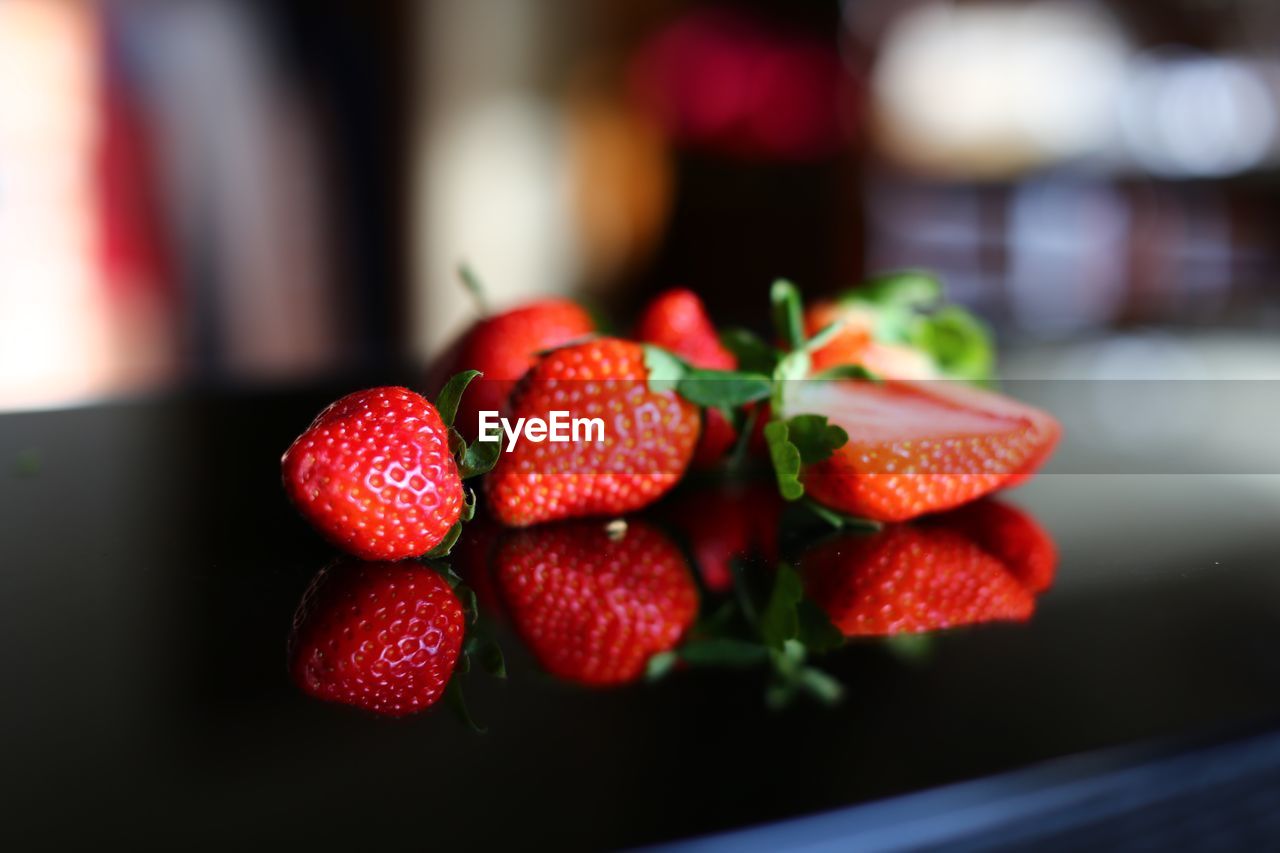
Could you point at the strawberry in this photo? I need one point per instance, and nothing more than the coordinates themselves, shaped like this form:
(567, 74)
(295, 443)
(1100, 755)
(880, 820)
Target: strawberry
(677, 320)
(649, 437)
(374, 474)
(726, 522)
(383, 637)
(855, 344)
(916, 448)
(504, 346)
(897, 327)
(595, 602)
(1010, 535)
(909, 579)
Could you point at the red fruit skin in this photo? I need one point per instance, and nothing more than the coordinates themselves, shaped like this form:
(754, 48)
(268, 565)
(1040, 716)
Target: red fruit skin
(504, 346)
(374, 475)
(1012, 536)
(676, 320)
(594, 609)
(901, 479)
(856, 344)
(648, 442)
(383, 637)
(724, 522)
(849, 343)
(909, 579)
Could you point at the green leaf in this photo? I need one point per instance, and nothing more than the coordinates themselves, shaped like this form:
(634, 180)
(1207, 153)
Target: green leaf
(468, 504)
(664, 368)
(451, 394)
(814, 437)
(958, 342)
(469, 602)
(915, 649)
(723, 651)
(446, 544)
(793, 366)
(788, 313)
(453, 695)
(753, 354)
(847, 371)
(819, 685)
(785, 457)
(913, 289)
(815, 630)
(479, 458)
(823, 337)
(721, 388)
(660, 664)
(839, 520)
(486, 651)
(745, 424)
(779, 621)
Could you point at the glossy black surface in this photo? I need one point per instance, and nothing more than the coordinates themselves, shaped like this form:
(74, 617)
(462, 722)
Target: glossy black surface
(151, 567)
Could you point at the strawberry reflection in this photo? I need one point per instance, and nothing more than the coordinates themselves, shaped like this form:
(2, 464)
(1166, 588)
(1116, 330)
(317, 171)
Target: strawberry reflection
(721, 523)
(594, 601)
(383, 637)
(983, 563)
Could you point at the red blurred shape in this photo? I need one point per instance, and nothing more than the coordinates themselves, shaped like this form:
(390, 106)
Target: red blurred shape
(731, 83)
(983, 565)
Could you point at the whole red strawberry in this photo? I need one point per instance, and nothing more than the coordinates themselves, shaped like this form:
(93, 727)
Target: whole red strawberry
(595, 602)
(919, 447)
(374, 474)
(676, 320)
(384, 637)
(908, 579)
(648, 439)
(504, 346)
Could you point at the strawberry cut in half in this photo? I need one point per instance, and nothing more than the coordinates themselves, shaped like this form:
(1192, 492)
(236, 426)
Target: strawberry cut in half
(911, 579)
(647, 443)
(918, 447)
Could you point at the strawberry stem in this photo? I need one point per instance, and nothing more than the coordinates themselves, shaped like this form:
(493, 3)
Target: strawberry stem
(471, 282)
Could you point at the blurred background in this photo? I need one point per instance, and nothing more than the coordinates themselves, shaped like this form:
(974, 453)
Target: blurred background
(200, 193)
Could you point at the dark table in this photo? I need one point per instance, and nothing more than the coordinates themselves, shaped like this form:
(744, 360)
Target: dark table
(151, 567)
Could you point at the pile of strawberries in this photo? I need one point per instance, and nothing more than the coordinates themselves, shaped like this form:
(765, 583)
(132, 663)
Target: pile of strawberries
(873, 406)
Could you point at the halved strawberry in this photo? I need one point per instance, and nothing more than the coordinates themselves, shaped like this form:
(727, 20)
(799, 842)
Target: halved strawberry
(648, 440)
(909, 579)
(1012, 536)
(918, 447)
(595, 602)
